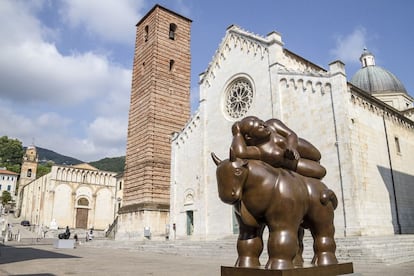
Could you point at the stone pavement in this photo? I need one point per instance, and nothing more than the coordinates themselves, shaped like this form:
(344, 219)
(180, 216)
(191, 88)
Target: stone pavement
(46, 260)
(41, 258)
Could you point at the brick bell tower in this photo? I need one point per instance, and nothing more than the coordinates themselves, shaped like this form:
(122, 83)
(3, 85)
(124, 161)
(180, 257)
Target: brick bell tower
(160, 105)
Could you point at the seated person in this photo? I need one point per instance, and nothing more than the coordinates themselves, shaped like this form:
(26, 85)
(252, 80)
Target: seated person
(274, 143)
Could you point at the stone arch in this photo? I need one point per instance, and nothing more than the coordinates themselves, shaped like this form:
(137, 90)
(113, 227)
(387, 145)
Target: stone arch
(59, 174)
(63, 205)
(189, 197)
(104, 208)
(82, 206)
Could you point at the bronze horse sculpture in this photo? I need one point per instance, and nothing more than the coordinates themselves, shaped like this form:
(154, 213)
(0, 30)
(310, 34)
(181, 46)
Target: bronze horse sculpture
(285, 202)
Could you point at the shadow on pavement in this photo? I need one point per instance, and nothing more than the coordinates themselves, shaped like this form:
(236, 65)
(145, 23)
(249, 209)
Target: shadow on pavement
(10, 254)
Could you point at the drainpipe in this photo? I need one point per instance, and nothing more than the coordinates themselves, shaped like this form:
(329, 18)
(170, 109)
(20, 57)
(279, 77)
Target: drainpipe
(338, 68)
(392, 176)
(339, 163)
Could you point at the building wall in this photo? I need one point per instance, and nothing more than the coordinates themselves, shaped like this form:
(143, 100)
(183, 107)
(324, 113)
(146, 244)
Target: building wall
(8, 181)
(384, 182)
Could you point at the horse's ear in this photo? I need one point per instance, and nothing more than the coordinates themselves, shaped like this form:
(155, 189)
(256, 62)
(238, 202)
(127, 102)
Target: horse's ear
(215, 159)
(232, 155)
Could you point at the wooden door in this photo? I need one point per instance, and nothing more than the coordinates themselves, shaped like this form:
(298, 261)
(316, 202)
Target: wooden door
(82, 218)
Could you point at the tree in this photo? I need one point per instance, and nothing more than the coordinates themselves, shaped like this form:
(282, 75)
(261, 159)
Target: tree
(11, 153)
(43, 169)
(5, 197)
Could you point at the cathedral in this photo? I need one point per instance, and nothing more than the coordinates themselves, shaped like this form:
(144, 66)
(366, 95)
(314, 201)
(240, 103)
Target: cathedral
(363, 127)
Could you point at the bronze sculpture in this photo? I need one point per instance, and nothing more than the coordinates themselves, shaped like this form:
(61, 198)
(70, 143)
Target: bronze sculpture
(269, 185)
(65, 235)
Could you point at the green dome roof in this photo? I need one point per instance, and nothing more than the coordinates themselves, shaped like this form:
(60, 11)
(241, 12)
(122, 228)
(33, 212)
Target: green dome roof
(375, 79)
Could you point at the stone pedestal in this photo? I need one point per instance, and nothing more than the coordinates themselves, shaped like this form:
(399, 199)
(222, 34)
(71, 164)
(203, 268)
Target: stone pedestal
(70, 243)
(329, 270)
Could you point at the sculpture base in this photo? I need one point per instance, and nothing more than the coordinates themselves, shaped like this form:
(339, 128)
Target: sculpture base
(329, 270)
(70, 243)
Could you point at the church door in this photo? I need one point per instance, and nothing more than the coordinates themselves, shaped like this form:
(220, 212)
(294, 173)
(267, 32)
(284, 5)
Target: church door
(82, 218)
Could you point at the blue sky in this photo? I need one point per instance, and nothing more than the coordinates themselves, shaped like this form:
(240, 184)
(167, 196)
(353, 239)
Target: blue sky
(66, 65)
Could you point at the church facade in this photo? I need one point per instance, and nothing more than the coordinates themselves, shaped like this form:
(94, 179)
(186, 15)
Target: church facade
(366, 137)
(78, 196)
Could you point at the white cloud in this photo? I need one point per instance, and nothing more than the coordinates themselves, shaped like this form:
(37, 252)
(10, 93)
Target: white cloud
(110, 20)
(38, 71)
(50, 96)
(349, 47)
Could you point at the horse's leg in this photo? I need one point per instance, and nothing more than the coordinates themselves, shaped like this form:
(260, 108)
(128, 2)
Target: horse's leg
(282, 246)
(298, 260)
(249, 244)
(323, 232)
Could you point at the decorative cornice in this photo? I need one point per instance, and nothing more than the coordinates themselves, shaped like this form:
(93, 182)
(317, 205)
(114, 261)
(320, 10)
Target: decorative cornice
(182, 136)
(235, 38)
(305, 84)
(145, 206)
(294, 64)
(368, 102)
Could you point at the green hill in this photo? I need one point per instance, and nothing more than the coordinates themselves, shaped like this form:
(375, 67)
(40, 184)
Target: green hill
(46, 155)
(112, 164)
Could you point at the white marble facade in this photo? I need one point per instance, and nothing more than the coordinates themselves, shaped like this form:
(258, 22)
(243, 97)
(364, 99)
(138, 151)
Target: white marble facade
(356, 133)
(78, 196)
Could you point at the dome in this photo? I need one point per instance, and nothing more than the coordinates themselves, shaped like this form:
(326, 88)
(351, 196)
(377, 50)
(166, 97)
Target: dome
(375, 79)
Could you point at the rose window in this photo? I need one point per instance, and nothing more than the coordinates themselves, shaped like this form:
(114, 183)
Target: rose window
(239, 99)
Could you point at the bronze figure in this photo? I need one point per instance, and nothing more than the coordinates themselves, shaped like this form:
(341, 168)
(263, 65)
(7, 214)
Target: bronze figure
(273, 179)
(274, 143)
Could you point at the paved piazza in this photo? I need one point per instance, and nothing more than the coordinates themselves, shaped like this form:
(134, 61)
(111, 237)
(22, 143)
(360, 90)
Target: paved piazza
(46, 260)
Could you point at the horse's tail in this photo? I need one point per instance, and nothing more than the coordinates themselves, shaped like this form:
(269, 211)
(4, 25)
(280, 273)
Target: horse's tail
(329, 196)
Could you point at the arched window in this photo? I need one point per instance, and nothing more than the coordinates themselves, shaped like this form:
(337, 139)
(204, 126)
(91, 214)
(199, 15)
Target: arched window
(171, 64)
(83, 202)
(173, 28)
(29, 173)
(146, 33)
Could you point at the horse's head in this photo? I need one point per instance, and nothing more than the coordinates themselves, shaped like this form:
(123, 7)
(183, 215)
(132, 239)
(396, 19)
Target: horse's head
(231, 175)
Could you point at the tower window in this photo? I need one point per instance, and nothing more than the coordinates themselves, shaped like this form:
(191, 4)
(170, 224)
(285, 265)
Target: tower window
(29, 173)
(397, 145)
(171, 64)
(146, 33)
(173, 28)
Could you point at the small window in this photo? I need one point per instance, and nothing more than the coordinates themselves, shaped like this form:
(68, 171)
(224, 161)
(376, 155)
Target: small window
(120, 185)
(8, 188)
(397, 144)
(83, 202)
(146, 33)
(171, 64)
(29, 173)
(173, 28)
